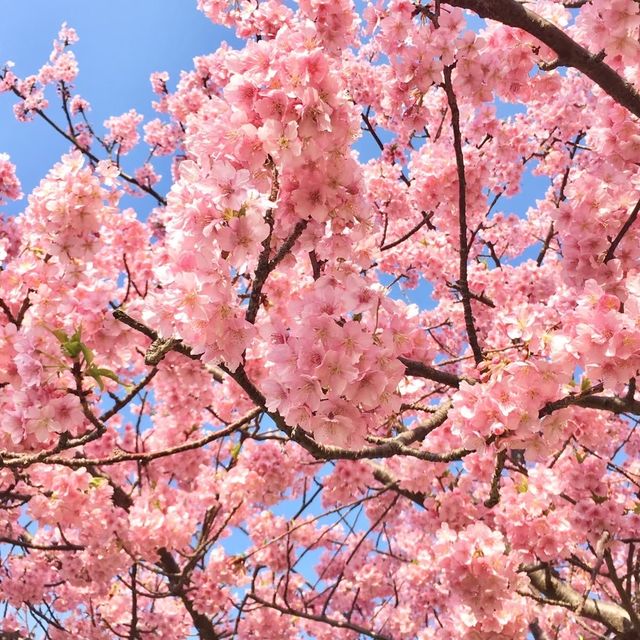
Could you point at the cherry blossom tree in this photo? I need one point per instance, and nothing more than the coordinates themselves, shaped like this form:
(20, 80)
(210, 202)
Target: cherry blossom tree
(228, 420)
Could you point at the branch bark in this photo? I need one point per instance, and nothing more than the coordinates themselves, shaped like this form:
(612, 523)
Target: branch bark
(419, 370)
(569, 52)
(611, 251)
(462, 214)
(547, 582)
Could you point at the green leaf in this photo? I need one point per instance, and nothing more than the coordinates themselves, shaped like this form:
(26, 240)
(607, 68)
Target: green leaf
(97, 373)
(60, 334)
(106, 373)
(72, 348)
(87, 353)
(96, 377)
(98, 481)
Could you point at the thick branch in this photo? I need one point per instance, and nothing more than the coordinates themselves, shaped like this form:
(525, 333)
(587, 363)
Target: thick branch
(387, 448)
(587, 399)
(419, 433)
(287, 245)
(262, 268)
(202, 623)
(24, 542)
(536, 631)
(494, 493)
(625, 597)
(545, 245)
(569, 52)
(384, 477)
(420, 370)
(176, 345)
(613, 616)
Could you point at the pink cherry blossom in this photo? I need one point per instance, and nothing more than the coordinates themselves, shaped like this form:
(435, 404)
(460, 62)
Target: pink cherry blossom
(368, 368)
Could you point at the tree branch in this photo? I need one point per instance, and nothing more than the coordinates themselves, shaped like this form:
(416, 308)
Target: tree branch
(338, 624)
(426, 218)
(494, 493)
(547, 582)
(569, 52)
(462, 213)
(419, 370)
(87, 152)
(201, 622)
(148, 456)
(621, 234)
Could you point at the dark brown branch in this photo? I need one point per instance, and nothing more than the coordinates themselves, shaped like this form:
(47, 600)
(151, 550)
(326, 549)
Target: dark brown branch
(621, 234)
(378, 141)
(19, 317)
(569, 52)
(419, 433)
(420, 370)
(625, 598)
(7, 311)
(387, 449)
(177, 345)
(134, 634)
(546, 244)
(536, 631)
(384, 477)
(24, 543)
(148, 456)
(201, 622)
(71, 138)
(264, 268)
(589, 400)
(462, 213)
(121, 404)
(480, 297)
(494, 493)
(561, 197)
(287, 245)
(316, 265)
(494, 255)
(426, 218)
(567, 401)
